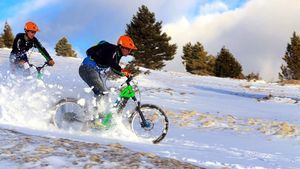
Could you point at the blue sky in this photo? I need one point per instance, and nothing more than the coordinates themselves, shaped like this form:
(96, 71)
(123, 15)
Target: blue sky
(250, 29)
(6, 7)
(90, 18)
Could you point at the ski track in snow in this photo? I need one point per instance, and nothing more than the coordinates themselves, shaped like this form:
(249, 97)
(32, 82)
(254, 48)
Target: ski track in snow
(215, 122)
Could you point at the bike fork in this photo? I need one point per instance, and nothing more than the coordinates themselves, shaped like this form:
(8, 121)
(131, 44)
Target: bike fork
(144, 122)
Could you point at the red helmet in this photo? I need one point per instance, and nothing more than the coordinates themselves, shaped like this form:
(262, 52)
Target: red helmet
(126, 42)
(31, 26)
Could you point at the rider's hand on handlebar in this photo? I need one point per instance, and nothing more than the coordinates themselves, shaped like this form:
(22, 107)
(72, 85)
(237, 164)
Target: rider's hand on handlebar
(50, 62)
(126, 73)
(21, 62)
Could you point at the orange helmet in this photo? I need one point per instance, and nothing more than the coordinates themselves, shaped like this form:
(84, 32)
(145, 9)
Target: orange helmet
(126, 42)
(31, 26)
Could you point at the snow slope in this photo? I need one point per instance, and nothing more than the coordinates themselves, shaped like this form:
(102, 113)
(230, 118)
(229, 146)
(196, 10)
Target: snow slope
(215, 122)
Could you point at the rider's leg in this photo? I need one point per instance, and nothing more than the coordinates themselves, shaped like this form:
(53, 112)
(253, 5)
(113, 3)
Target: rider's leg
(92, 78)
(12, 63)
(17, 63)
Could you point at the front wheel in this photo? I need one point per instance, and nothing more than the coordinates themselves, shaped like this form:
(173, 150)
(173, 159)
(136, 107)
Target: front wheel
(156, 126)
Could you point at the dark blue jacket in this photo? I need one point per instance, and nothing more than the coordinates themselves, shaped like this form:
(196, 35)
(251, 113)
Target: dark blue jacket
(22, 44)
(104, 55)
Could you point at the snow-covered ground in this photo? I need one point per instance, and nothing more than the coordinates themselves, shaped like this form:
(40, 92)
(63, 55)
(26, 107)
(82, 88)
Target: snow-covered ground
(214, 122)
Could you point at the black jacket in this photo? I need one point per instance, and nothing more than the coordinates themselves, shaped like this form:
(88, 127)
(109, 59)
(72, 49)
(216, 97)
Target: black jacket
(106, 55)
(22, 44)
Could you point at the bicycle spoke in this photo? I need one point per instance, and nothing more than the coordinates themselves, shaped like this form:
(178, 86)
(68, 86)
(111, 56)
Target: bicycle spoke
(156, 125)
(69, 115)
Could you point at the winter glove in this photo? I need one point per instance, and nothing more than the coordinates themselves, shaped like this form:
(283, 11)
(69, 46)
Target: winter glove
(21, 62)
(126, 72)
(50, 62)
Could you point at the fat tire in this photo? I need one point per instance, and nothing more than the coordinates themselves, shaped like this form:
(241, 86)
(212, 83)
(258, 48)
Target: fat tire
(62, 102)
(161, 112)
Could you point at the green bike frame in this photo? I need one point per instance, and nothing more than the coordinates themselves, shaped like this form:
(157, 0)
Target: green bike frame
(127, 92)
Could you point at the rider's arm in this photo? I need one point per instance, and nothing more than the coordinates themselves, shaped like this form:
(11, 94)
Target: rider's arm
(42, 50)
(16, 45)
(117, 69)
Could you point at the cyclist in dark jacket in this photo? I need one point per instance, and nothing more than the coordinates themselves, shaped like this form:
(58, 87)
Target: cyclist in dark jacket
(22, 43)
(102, 56)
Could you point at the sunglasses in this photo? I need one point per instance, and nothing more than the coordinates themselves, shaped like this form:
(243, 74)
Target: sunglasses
(33, 32)
(129, 50)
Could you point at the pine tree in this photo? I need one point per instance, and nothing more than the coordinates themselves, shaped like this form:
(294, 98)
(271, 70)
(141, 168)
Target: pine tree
(252, 76)
(291, 71)
(211, 62)
(7, 36)
(63, 48)
(188, 57)
(227, 66)
(153, 45)
(196, 59)
(1, 42)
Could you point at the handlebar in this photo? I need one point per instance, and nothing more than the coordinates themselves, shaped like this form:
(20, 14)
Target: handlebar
(38, 68)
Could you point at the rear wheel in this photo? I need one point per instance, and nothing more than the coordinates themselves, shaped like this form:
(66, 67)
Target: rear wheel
(69, 115)
(157, 123)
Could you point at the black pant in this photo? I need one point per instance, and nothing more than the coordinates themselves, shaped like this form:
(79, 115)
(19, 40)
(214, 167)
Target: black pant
(16, 63)
(93, 79)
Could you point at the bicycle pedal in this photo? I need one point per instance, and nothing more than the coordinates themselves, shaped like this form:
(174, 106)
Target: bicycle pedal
(95, 108)
(98, 124)
(101, 116)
